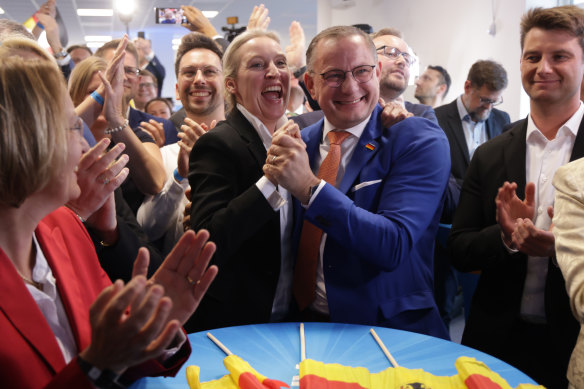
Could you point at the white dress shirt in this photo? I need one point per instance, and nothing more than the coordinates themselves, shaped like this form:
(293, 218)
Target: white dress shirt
(543, 158)
(348, 146)
(475, 133)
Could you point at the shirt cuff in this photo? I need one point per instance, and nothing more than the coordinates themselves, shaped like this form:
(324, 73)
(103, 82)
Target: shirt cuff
(316, 192)
(270, 192)
(509, 249)
(181, 338)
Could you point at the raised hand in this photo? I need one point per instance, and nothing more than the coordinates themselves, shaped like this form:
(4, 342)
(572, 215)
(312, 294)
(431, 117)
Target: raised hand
(510, 208)
(296, 50)
(198, 22)
(156, 131)
(393, 113)
(259, 19)
(191, 131)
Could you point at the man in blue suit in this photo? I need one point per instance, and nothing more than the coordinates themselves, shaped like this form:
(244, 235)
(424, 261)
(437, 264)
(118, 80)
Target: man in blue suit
(376, 221)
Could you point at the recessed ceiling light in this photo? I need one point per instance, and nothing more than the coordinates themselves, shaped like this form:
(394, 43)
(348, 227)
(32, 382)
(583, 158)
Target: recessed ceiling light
(95, 45)
(125, 7)
(95, 12)
(1, 11)
(212, 14)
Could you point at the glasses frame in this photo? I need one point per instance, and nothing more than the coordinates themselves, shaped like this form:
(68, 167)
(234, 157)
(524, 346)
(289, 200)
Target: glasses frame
(131, 71)
(195, 70)
(394, 54)
(494, 103)
(352, 71)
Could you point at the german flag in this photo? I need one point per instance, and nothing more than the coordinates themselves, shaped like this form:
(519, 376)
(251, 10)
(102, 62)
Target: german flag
(241, 376)
(472, 374)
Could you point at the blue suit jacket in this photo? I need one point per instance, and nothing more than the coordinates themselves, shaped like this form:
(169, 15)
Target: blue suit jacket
(381, 223)
(170, 131)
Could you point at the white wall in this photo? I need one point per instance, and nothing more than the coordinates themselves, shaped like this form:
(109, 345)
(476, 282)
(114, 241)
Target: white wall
(450, 33)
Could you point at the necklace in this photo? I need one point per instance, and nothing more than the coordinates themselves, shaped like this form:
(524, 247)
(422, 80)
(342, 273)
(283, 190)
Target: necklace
(29, 281)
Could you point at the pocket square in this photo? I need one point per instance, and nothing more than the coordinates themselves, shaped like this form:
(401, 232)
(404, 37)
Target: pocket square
(364, 184)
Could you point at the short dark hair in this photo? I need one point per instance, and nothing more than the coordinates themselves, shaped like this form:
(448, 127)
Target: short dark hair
(388, 31)
(75, 47)
(569, 18)
(192, 41)
(113, 45)
(489, 73)
(163, 99)
(336, 33)
(444, 76)
(147, 73)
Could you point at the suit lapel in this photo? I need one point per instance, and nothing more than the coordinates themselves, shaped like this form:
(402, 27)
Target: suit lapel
(458, 132)
(55, 249)
(362, 153)
(312, 136)
(514, 153)
(249, 135)
(578, 150)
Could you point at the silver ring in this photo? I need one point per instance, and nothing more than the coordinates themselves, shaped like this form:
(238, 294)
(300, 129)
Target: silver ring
(273, 158)
(104, 180)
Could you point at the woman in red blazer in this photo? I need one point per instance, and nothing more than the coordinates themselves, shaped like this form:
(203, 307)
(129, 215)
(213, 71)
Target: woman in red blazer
(63, 323)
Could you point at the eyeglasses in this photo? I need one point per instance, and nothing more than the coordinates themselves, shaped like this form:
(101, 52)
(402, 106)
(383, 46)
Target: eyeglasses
(393, 54)
(361, 74)
(209, 73)
(485, 101)
(146, 85)
(131, 71)
(77, 127)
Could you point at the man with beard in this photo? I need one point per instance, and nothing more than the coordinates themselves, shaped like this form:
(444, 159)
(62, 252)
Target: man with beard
(432, 86)
(471, 120)
(396, 60)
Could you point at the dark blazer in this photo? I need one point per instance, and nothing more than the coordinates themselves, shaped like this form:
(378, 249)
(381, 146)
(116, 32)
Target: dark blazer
(224, 166)
(30, 354)
(449, 120)
(170, 131)
(381, 223)
(476, 244)
(155, 67)
(421, 110)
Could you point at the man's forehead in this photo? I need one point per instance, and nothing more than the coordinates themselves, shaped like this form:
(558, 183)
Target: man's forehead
(328, 50)
(538, 38)
(391, 40)
(200, 57)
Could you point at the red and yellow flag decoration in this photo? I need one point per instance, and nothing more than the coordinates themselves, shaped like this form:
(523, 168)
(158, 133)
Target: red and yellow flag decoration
(241, 376)
(472, 374)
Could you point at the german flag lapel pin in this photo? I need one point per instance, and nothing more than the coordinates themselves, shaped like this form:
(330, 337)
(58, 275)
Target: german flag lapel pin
(370, 146)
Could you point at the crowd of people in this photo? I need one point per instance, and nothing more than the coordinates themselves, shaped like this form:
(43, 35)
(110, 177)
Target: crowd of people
(125, 225)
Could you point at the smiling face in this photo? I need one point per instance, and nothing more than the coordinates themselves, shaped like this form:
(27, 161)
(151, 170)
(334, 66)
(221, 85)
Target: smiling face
(352, 102)
(551, 67)
(159, 109)
(395, 74)
(146, 91)
(262, 82)
(200, 82)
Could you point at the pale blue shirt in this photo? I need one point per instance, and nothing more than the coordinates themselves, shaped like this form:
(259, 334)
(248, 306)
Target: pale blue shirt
(475, 133)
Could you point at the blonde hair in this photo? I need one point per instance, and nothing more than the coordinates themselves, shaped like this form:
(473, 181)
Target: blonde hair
(23, 47)
(81, 76)
(33, 126)
(232, 58)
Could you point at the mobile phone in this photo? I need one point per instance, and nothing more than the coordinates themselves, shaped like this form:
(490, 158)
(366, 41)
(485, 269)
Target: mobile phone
(141, 35)
(169, 16)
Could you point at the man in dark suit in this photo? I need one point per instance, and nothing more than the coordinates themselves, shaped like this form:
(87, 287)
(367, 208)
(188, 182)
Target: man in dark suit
(520, 311)
(148, 60)
(467, 121)
(379, 216)
(396, 59)
(471, 120)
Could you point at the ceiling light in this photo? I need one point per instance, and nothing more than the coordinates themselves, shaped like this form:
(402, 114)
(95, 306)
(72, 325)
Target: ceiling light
(212, 14)
(125, 7)
(95, 12)
(98, 38)
(1, 11)
(95, 45)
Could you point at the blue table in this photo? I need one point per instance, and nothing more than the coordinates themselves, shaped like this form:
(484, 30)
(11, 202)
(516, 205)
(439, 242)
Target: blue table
(274, 351)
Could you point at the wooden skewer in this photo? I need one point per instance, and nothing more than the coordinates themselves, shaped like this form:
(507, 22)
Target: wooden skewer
(219, 344)
(383, 348)
(302, 343)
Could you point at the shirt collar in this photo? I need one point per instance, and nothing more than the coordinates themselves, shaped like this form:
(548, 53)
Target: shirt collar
(571, 125)
(462, 112)
(260, 128)
(355, 131)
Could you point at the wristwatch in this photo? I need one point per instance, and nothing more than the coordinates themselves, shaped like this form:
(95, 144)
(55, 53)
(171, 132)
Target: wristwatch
(100, 378)
(61, 54)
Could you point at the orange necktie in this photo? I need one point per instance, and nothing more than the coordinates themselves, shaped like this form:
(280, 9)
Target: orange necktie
(304, 282)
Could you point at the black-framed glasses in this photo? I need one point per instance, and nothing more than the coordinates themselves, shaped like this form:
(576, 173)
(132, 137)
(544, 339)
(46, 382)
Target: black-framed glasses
(485, 101)
(394, 53)
(334, 78)
(131, 71)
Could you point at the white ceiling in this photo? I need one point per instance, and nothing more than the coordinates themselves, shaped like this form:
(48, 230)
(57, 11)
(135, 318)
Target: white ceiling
(281, 14)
